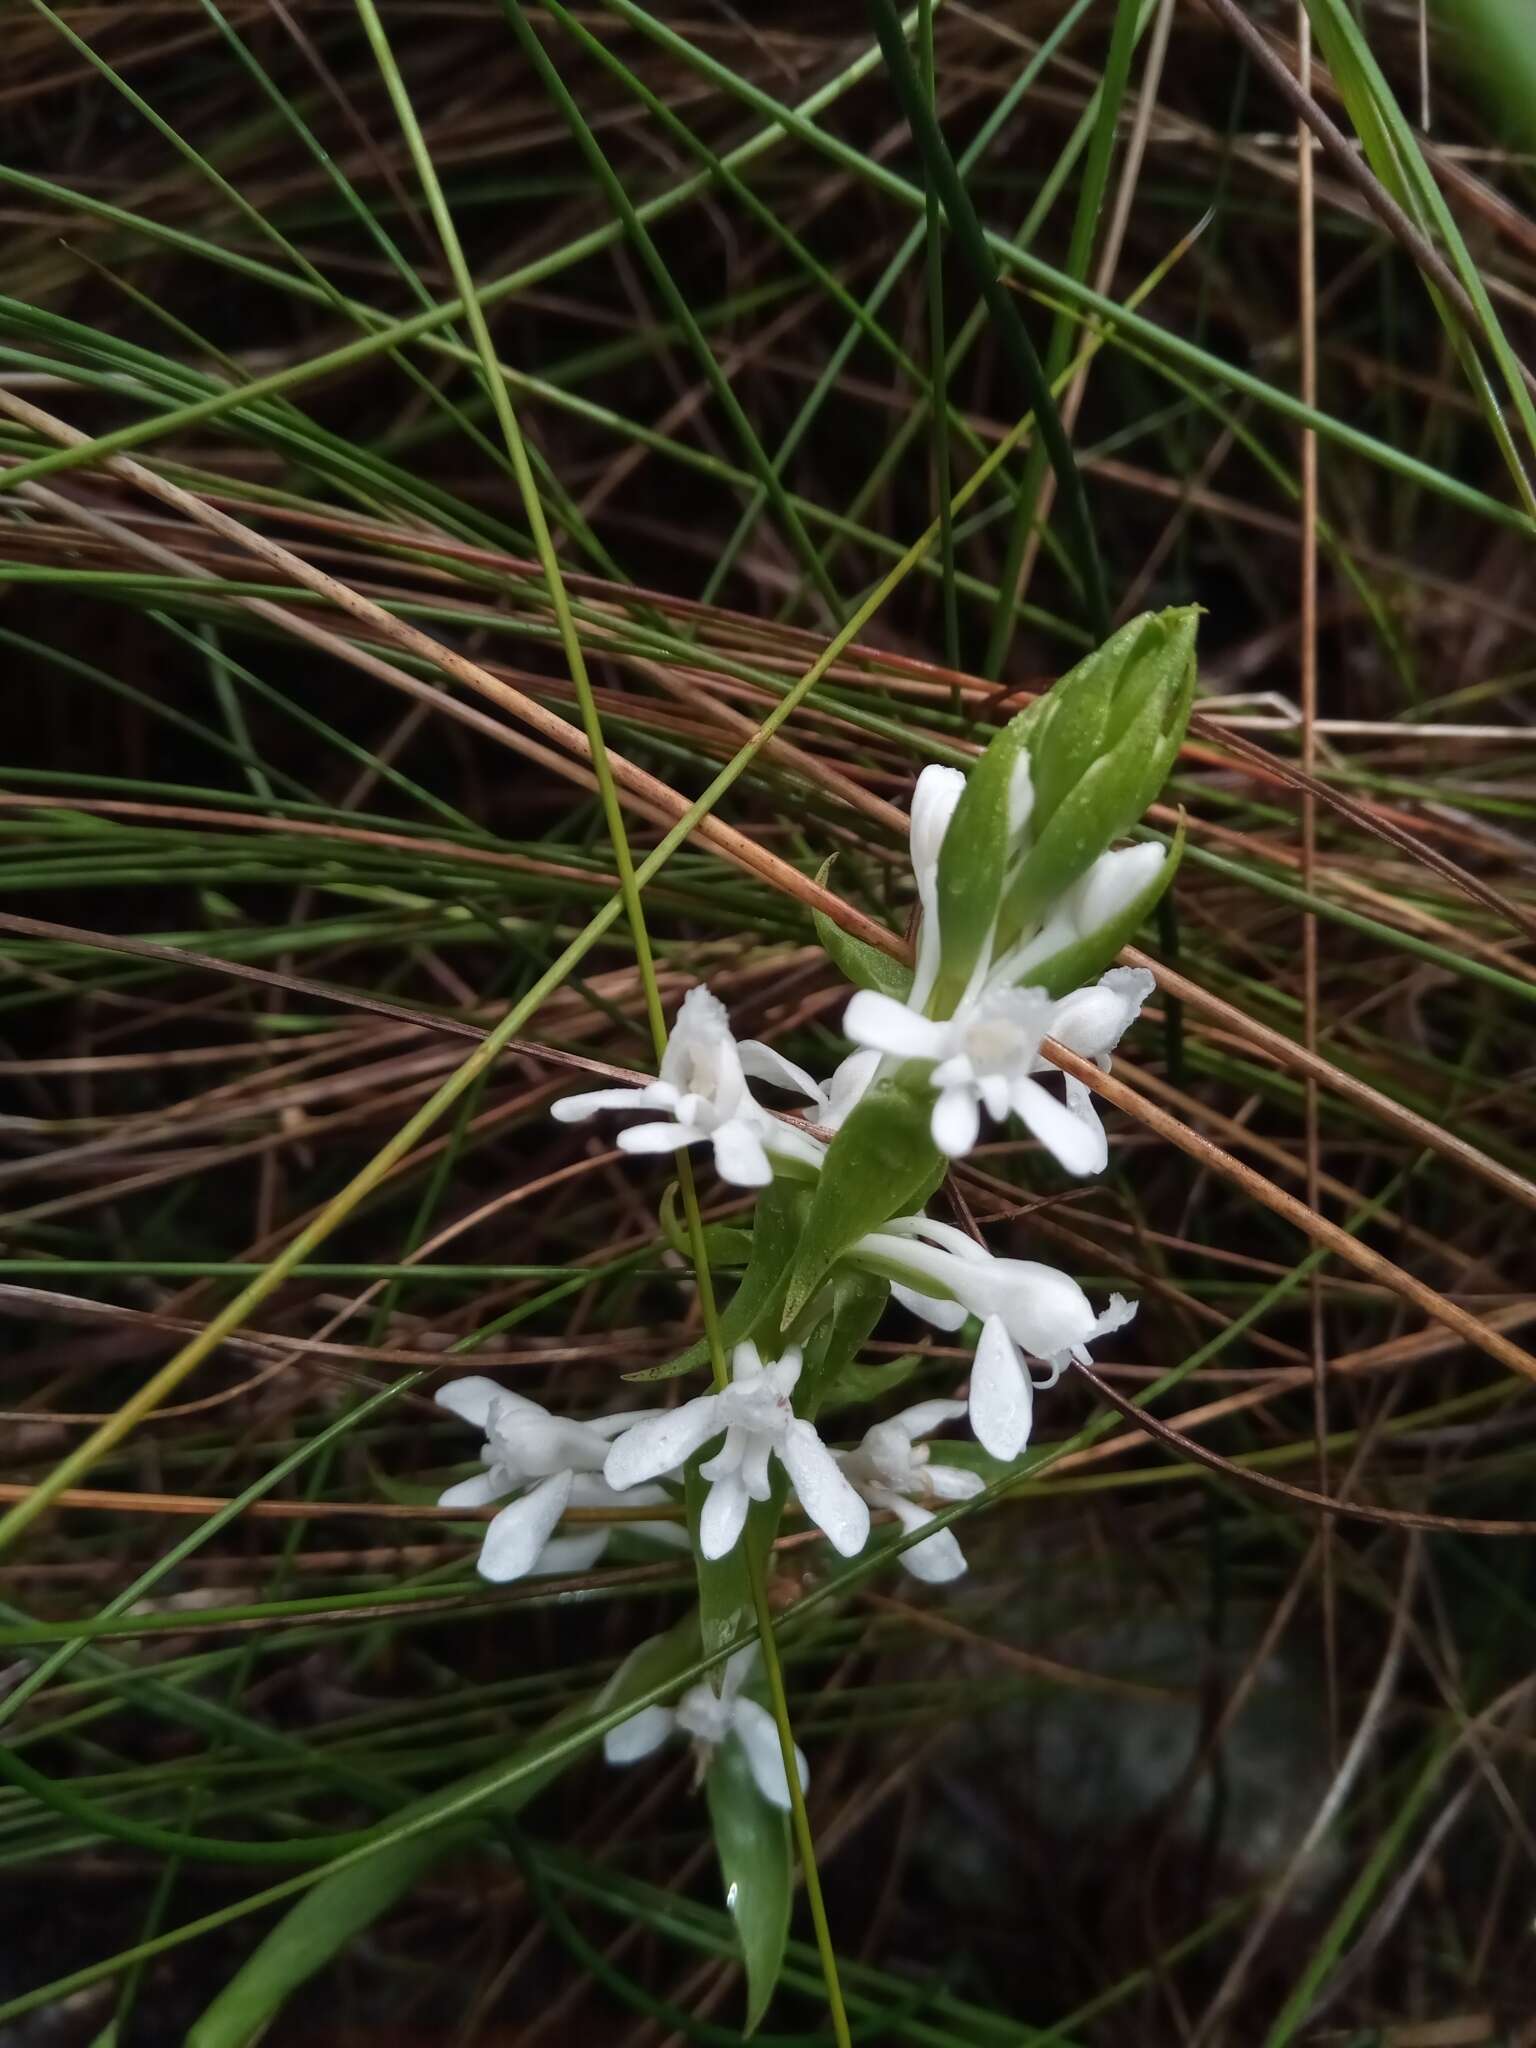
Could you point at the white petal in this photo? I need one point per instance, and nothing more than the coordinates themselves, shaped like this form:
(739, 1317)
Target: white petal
(614, 1425)
(951, 1482)
(937, 791)
(933, 1308)
(1021, 794)
(785, 1370)
(574, 1553)
(936, 1560)
(469, 1398)
(764, 1063)
(724, 1516)
(517, 1535)
(1045, 1309)
(478, 1492)
(1075, 1143)
(1090, 1020)
(758, 1733)
(726, 1463)
(1115, 1317)
(658, 1137)
(882, 1024)
(575, 1109)
(754, 1467)
(1002, 1400)
(848, 1085)
(700, 1027)
(661, 1443)
(739, 1155)
(1132, 985)
(825, 1491)
(955, 1123)
(1113, 882)
(993, 1090)
(924, 1417)
(948, 1236)
(639, 1735)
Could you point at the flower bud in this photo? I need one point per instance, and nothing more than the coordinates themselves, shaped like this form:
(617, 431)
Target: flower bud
(1101, 745)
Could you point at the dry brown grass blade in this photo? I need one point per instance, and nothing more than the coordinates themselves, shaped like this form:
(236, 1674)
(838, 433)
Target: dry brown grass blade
(1318, 1228)
(656, 799)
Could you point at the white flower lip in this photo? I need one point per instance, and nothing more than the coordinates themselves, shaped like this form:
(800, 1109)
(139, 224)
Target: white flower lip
(551, 1463)
(712, 1718)
(759, 1423)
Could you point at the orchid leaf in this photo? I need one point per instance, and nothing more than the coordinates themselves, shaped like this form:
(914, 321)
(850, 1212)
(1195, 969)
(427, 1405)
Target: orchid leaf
(756, 1872)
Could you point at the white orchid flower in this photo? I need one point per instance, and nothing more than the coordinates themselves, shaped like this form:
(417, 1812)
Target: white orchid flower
(703, 1089)
(983, 1057)
(552, 1465)
(894, 1471)
(759, 1423)
(1025, 1308)
(934, 798)
(711, 1718)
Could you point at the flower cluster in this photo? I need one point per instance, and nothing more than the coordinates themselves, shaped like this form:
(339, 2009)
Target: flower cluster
(1024, 902)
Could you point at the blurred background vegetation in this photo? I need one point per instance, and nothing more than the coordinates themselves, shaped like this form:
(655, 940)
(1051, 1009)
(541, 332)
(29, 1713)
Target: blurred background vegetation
(294, 809)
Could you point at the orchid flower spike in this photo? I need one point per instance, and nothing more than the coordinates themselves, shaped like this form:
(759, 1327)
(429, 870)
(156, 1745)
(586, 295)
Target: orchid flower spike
(1025, 1308)
(893, 1471)
(551, 1464)
(983, 1058)
(712, 1718)
(755, 1413)
(703, 1089)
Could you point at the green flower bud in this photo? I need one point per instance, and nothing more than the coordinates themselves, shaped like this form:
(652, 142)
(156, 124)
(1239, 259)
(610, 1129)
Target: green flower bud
(1101, 745)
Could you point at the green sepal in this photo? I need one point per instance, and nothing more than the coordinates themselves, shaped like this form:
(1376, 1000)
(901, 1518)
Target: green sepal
(776, 1225)
(855, 959)
(882, 1163)
(973, 864)
(1086, 958)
